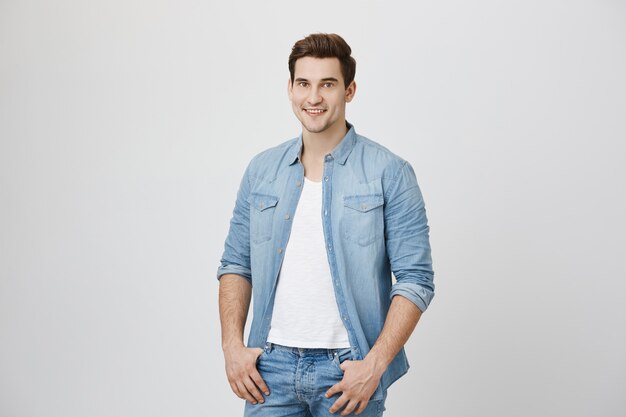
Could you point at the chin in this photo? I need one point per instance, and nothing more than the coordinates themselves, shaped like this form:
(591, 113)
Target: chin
(314, 129)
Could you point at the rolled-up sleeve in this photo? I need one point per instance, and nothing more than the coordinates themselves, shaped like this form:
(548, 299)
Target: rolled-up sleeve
(407, 239)
(236, 256)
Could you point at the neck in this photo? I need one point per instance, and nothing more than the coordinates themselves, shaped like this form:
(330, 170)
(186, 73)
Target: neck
(318, 145)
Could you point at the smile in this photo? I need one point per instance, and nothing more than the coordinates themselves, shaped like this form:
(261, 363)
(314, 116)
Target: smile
(314, 112)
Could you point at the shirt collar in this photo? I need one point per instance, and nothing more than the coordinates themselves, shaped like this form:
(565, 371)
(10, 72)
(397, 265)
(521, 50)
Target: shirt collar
(340, 153)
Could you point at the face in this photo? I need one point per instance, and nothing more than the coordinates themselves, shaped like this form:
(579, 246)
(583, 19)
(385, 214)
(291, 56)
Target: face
(318, 96)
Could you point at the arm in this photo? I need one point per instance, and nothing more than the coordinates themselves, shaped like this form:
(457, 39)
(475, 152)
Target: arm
(234, 302)
(400, 322)
(235, 292)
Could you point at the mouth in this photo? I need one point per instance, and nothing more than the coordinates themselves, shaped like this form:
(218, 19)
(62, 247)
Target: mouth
(315, 112)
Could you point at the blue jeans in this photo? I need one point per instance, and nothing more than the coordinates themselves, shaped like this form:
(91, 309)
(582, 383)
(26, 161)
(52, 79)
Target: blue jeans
(298, 379)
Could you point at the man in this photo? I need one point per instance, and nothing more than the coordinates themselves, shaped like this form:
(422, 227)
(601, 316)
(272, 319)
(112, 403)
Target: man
(320, 223)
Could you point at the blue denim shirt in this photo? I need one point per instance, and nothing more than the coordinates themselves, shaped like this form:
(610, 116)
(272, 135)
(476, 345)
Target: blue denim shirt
(374, 223)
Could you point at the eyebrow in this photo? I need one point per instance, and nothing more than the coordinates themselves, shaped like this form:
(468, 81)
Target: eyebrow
(323, 79)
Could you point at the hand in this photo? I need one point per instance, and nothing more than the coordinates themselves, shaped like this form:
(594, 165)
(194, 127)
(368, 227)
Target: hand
(243, 376)
(360, 380)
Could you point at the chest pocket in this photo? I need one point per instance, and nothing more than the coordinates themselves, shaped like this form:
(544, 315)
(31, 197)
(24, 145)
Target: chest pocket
(262, 208)
(363, 221)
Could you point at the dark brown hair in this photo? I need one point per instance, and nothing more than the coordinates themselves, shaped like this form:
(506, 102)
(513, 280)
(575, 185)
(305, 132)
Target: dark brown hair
(324, 45)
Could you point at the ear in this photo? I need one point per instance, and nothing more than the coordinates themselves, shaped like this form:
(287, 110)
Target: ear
(289, 89)
(350, 92)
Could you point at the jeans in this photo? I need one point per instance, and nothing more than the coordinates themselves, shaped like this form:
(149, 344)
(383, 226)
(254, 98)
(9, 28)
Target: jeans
(298, 378)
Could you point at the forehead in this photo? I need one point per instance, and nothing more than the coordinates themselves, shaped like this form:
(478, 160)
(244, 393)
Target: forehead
(317, 68)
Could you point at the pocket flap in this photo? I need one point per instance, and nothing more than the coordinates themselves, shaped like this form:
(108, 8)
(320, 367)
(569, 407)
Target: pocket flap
(363, 203)
(262, 201)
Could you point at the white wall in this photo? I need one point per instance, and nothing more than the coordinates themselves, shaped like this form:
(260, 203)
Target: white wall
(125, 127)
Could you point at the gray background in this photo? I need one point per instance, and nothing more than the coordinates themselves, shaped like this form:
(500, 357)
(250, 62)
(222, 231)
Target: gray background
(125, 127)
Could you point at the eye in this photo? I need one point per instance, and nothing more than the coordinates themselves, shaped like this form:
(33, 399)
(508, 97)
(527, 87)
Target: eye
(328, 84)
(302, 83)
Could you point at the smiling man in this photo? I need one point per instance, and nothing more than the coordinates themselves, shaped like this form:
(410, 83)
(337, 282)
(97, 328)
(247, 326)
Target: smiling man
(320, 224)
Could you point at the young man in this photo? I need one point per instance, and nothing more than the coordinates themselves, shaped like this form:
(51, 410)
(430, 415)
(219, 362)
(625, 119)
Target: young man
(320, 223)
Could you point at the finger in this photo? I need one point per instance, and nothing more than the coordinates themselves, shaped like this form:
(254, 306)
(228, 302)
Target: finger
(343, 364)
(235, 390)
(244, 392)
(260, 352)
(349, 408)
(258, 380)
(333, 390)
(341, 401)
(252, 389)
(362, 407)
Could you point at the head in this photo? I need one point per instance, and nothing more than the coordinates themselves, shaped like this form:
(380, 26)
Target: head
(321, 81)
(324, 45)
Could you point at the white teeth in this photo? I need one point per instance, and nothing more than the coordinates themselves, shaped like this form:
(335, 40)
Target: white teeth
(314, 111)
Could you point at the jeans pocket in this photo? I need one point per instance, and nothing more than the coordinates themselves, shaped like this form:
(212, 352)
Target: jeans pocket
(340, 356)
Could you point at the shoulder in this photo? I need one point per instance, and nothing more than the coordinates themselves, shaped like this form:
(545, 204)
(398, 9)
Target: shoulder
(375, 163)
(266, 163)
(380, 161)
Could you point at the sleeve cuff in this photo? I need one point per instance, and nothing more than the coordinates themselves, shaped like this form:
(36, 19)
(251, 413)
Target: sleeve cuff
(417, 294)
(234, 269)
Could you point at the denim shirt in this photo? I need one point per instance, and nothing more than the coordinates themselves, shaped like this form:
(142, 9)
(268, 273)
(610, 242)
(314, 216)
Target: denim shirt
(374, 223)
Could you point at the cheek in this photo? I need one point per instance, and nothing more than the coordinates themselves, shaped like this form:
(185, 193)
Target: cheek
(338, 100)
(297, 101)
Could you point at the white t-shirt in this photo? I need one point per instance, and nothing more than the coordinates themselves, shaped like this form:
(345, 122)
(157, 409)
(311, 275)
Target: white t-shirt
(305, 308)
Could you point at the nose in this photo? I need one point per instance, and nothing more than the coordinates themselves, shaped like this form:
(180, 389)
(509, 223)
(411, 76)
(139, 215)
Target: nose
(314, 96)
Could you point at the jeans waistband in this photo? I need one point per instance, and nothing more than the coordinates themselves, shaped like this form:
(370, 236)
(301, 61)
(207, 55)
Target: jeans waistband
(330, 352)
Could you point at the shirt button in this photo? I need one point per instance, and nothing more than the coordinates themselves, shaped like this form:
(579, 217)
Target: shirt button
(325, 178)
(261, 205)
(280, 250)
(286, 216)
(328, 157)
(325, 212)
(298, 183)
(363, 206)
